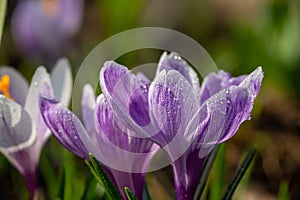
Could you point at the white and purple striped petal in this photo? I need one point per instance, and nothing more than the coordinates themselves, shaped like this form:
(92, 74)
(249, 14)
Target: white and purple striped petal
(117, 133)
(127, 95)
(61, 79)
(65, 126)
(15, 126)
(172, 102)
(40, 85)
(213, 83)
(88, 105)
(173, 61)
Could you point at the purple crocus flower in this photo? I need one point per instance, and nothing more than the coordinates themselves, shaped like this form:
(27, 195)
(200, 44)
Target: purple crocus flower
(186, 120)
(43, 29)
(103, 137)
(23, 132)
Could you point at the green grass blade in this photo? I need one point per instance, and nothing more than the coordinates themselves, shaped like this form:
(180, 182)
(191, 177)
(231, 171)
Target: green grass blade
(104, 179)
(61, 189)
(92, 190)
(246, 163)
(91, 168)
(50, 176)
(283, 193)
(2, 16)
(218, 178)
(89, 186)
(74, 186)
(130, 194)
(241, 190)
(205, 172)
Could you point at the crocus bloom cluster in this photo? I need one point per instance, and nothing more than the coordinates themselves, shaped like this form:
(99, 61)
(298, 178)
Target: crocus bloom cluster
(100, 135)
(184, 119)
(23, 131)
(173, 111)
(43, 29)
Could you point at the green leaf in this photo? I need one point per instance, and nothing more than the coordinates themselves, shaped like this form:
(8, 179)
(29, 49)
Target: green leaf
(61, 191)
(205, 172)
(90, 185)
(216, 189)
(244, 184)
(50, 177)
(283, 193)
(104, 179)
(130, 194)
(146, 195)
(74, 186)
(92, 190)
(2, 16)
(235, 182)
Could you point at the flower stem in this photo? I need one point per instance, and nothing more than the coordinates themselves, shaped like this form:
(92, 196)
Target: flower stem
(31, 181)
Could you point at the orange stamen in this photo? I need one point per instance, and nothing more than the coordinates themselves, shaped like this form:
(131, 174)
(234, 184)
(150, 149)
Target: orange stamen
(4, 86)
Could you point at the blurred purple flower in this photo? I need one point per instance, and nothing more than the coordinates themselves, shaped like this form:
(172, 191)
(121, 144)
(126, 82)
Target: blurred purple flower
(43, 29)
(101, 136)
(22, 130)
(185, 120)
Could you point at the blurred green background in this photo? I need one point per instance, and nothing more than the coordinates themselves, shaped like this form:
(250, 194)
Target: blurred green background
(239, 36)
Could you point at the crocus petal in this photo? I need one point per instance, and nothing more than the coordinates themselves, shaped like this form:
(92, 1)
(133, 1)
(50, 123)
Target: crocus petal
(127, 96)
(65, 126)
(142, 77)
(173, 61)
(121, 139)
(40, 85)
(239, 102)
(117, 134)
(61, 78)
(228, 80)
(18, 85)
(213, 83)
(16, 131)
(173, 103)
(88, 104)
(225, 110)
(253, 81)
(130, 154)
